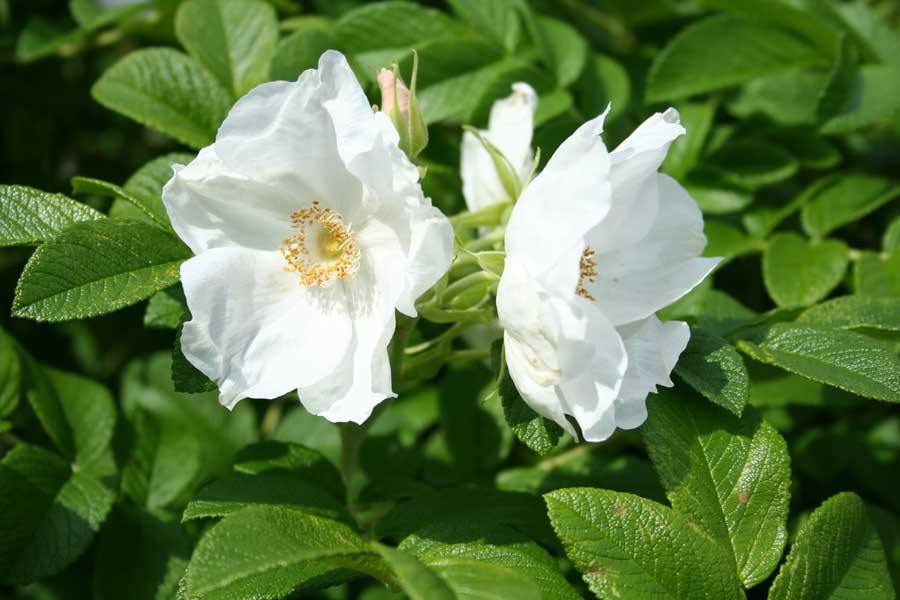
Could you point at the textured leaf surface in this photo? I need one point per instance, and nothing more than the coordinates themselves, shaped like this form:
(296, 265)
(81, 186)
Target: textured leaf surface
(48, 514)
(732, 476)
(844, 199)
(837, 554)
(165, 89)
(97, 267)
(855, 312)
(495, 545)
(145, 186)
(29, 216)
(391, 25)
(417, 580)
(627, 546)
(723, 51)
(304, 463)
(268, 552)
(86, 185)
(10, 374)
(799, 273)
(234, 39)
(844, 359)
(90, 413)
(714, 368)
(275, 488)
(166, 309)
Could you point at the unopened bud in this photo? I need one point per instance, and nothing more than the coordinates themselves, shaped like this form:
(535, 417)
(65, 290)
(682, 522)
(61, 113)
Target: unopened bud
(400, 104)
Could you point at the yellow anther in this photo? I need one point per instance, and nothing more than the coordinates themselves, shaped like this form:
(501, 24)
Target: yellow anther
(588, 267)
(332, 253)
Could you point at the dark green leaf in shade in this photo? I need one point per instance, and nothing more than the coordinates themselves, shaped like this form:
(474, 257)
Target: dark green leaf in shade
(837, 554)
(145, 187)
(140, 556)
(714, 368)
(877, 274)
(48, 513)
(97, 267)
(616, 541)
(29, 216)
(166, 309)
(10, 374)
(300, 51)
(730, 475)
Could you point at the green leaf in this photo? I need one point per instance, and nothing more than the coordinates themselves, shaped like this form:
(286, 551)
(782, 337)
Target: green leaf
(48, 514)
(10, 375)
(488, 506)
(168, 91)
(499, 546)
(752, 163)
(732, 476)
(890, 241)
(164, 465)
(269, 552)
(718, 197)
(617, 540)
(533, 430)
(790, 98)
(569, 51)
(303, 462)
(29, 216)
(459, 99)
(800, 273)
(871, 31)
(274, 488)
(300, 51)
(844, 199)
(391, 25)
(472, 579)
(140, 556)
(90, 413)
(605, 82)
(843, 359)
(148, 386)
(97, 267)
(697, 119)
(166, 309)
(234, 39)
(498, 19)
(41, 37)
(145, 188)
(723, 51)
(418, 581)
(714, 368)
(811, 150)
(551, 105)
(872, 95)
(837, 554)
(888, 527)
(86, 185)
(877, 274)
(855, 312)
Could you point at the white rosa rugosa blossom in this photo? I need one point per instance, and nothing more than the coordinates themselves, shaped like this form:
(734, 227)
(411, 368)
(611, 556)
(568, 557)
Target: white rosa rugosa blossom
(309, 228)
(509, 129)
(596, 244)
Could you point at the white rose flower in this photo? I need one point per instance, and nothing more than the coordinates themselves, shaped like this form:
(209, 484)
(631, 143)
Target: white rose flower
(509, 129)
(595, 245)
(309, 228)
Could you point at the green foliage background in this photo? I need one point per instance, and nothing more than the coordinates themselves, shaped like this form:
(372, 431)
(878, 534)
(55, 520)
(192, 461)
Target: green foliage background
(771, 470)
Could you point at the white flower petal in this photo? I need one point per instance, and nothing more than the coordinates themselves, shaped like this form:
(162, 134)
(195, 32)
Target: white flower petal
(211, 206)
(430, 254)
(363, 379)
(543, 399)
(510, 129)
(653, 350)
(635, 190)
(255, 331)
(636, 281)
(568, 198)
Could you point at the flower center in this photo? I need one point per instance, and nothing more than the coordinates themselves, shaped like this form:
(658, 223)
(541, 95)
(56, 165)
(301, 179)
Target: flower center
(588, 267)
(322, 249)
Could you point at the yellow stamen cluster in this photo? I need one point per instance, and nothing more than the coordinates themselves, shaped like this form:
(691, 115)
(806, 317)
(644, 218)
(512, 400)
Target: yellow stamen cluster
(322, 249)
(588, 268)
